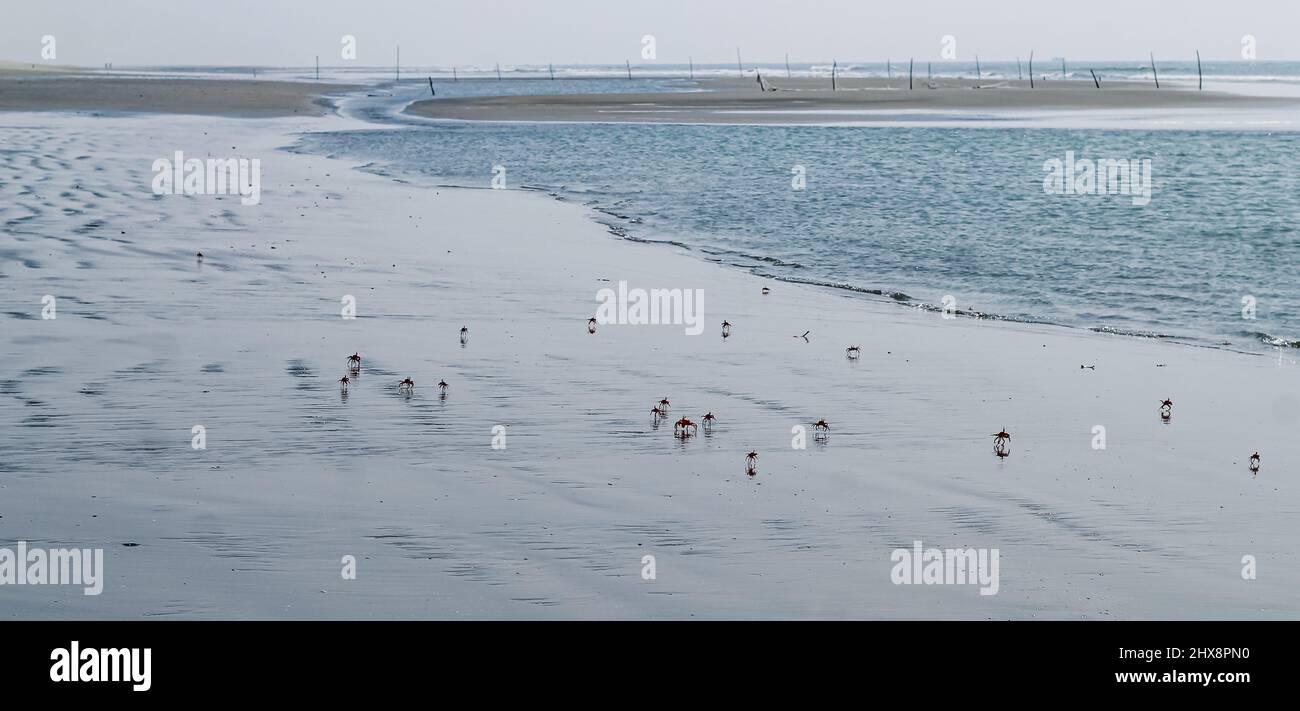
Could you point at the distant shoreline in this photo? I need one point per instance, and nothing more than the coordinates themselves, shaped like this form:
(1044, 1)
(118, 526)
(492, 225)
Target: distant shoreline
(797, 100)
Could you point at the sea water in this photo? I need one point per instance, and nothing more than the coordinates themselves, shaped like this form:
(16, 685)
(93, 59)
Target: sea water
(916, 213)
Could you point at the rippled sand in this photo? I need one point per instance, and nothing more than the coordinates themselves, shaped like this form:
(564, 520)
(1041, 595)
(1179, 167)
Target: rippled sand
(98, 406)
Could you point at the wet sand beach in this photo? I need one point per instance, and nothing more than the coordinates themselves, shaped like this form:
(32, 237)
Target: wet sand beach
(99, 406)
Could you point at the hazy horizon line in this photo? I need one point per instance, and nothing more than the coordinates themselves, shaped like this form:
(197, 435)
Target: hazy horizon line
(659, 62)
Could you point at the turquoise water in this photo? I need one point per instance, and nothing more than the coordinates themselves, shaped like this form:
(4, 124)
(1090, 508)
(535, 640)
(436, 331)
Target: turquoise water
(919, 213)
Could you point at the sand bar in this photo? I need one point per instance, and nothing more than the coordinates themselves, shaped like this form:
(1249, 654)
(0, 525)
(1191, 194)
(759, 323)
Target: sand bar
(807, 100)
(222, 97)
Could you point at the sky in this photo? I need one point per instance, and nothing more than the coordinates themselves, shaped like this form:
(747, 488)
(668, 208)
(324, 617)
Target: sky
(517, 32)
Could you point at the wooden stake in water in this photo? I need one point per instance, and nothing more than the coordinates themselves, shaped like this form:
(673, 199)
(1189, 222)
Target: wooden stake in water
(910, 62)
(1095, 80)
(928, 75)
(787, 66)
(889, 69)
(1020, 76)
(317, 68)
(978, 73)
(1062, 68)
(691, 64)
(1155, 74)
(498, 71)
(834, 67)
(454, 77)
(629, 68)
(739, 66)
(1200, 81)
(551, 68)
(1031, 69)
(398, 67)
(431, 91)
